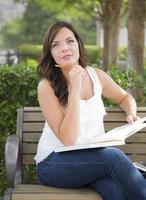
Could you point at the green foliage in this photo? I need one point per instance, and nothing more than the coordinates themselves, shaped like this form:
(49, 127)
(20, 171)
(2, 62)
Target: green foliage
(10, 34)
(29, 51)
(32, 27)
(17, 89)
(140, 86)
(94, 54)
(35, 21)
(123, 53)
(126, 79)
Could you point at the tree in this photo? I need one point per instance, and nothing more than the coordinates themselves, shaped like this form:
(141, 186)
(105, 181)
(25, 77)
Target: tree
(111, 26)
(136, 19)
(106, 12)
(34, 22)
(39, 16)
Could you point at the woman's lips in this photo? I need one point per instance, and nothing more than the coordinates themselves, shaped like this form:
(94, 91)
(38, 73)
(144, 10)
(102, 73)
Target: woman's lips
(66, 56)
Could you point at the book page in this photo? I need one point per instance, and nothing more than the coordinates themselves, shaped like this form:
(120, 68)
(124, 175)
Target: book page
(89, 146)
(140, 166)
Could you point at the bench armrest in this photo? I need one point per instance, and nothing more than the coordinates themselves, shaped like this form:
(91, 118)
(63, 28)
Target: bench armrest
(11, 158)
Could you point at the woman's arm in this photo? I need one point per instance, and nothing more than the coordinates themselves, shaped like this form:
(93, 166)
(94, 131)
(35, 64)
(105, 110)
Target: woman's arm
(113, 91)
(65, 123)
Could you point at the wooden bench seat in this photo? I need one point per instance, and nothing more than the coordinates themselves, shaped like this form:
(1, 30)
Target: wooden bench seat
(21, 148)
(39, 192)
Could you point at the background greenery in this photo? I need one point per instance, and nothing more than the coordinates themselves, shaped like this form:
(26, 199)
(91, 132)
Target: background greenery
(94, 53)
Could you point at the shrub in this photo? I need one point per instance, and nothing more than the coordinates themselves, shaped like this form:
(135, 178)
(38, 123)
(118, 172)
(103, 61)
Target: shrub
(94, 54)
(26, 51)
(17, 89)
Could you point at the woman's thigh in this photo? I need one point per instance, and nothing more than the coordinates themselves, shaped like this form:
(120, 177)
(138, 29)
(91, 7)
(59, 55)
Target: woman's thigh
(77, 168)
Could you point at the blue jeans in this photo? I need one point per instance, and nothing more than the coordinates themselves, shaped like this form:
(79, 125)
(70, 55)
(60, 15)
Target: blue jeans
(106, 170)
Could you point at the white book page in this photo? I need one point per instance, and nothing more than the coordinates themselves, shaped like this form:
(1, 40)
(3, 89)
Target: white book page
(140, 166)
(89, 146)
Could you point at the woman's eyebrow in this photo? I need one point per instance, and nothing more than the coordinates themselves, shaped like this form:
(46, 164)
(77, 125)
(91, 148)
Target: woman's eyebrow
(71, 37)
(55, 41)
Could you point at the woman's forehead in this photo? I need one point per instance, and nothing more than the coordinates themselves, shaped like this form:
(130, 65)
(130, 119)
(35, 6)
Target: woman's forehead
(63, 33)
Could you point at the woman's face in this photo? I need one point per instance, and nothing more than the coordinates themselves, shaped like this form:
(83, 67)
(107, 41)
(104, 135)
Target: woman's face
(65, 48)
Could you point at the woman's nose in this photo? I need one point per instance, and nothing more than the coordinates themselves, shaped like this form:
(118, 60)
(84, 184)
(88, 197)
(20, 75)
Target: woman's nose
(64, 47)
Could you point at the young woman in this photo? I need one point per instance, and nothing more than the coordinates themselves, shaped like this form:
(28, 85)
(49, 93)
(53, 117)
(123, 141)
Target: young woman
(70, 99)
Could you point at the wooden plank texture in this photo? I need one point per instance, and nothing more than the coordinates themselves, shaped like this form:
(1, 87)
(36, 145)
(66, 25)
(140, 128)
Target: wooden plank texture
(27, 196)
(33, 116)
(34, 188)
(33, 127)
(39, 192)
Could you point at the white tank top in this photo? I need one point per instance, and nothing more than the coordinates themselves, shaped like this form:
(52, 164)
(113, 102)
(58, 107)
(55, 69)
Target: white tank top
(92, 112)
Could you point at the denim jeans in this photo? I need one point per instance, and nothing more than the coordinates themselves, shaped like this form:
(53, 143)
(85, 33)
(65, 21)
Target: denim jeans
(106, 170)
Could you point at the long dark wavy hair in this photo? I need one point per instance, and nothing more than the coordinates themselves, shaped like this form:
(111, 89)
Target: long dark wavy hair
(46, 67)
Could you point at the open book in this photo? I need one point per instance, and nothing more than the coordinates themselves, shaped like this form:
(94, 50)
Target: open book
(116, 136)
(140, 165)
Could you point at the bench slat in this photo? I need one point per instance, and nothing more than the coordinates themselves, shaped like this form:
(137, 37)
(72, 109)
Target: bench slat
(128, 148)
(39, 192)
(33, 116)
(38, 196)
(114, 117)
(108, 126)
(37, 127)
(117, 109)
(121, 117)
(33, 127)
(34, 137)
(45, 189)
(30, 109)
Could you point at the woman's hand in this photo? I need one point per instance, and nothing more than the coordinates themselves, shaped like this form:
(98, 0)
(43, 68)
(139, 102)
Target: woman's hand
(131, 118)
(75, 77)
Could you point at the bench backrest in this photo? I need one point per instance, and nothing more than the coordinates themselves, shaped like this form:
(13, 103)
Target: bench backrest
(30, 123)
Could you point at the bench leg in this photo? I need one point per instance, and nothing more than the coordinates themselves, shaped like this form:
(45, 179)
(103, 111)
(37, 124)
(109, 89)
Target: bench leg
(8, 194)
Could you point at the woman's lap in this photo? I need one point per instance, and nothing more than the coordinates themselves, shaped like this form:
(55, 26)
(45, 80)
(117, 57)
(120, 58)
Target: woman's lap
(84, 167)
(77, 168)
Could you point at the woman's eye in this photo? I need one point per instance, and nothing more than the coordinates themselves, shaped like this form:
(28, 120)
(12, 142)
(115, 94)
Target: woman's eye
(54, 45)
(70, 41)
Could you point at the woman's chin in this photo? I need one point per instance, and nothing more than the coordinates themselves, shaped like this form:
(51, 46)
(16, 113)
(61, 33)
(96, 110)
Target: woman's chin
(66, 65)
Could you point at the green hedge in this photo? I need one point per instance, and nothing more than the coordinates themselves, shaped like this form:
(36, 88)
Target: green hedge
(34, 52)
(93, 52)
(18, 89)
(29, 51)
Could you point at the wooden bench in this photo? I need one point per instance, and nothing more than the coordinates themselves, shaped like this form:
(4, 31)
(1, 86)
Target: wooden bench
(21, 148)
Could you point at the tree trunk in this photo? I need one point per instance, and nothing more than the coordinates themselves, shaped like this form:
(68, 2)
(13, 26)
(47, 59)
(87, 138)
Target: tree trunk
(111, 24)
(136, 18)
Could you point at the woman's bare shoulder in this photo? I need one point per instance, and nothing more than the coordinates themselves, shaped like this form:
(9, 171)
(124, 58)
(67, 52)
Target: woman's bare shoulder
(44, 85)
(101, 75)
